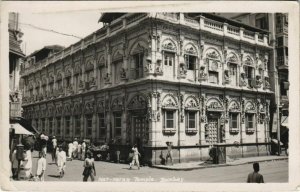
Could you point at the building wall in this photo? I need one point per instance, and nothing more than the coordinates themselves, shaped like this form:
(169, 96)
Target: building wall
(143, 77)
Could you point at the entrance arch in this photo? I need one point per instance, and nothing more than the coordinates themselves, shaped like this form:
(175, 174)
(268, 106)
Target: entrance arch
(137, 116)
(215, 127)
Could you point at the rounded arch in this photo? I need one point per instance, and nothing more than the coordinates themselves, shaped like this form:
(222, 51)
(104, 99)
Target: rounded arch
(101, 59)
(249, 106)
(213, 53)
(191, 48)
(233, 58)
(117, 104)
(169, 45)
(89, 64)
(234, 105)
(138, 101)
(89, 107)
(191, 102)
(169, 101)
(139, 45)
(249, 60)
(117, 54)
(214, 104)
(67, 108)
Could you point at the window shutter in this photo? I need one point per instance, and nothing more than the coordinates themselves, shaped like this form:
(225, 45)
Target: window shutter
(286, 85)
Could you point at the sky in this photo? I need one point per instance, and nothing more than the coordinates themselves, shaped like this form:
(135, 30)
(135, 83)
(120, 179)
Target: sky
(74, 23)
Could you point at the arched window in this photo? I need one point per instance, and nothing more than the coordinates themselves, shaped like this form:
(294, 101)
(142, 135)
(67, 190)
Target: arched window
(232, 70)
(138, 59)
(117, 62)
(249, 72)
(213, 60)
(137, 55)
(190, 57)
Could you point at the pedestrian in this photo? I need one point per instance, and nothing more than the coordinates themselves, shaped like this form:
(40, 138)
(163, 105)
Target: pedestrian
(44, 138)
(75, 148)
(89, 168)
(70, 150)
(135, 158)
(41, 166)
(26, 164)
(255, 177)
(61, 161)
(83, 150)
(54, 149)
(14, 164)
(79, 151)
(169, 152)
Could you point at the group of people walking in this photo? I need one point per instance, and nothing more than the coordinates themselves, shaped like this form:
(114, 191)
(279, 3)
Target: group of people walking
(80, 151)
(75, 150)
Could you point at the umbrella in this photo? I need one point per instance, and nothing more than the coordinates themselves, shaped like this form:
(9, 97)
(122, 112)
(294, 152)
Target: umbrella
(28, 142)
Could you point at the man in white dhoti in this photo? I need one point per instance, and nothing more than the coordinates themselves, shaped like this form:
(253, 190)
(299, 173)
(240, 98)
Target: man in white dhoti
(61, 162)
(26, 166)
(70, 150)
(75, 148)
(41, 166)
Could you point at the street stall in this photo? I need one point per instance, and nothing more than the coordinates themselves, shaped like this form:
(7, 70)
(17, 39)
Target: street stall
(100, 152)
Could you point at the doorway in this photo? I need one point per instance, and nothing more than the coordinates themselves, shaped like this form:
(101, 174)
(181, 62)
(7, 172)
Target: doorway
(139, 129)
(212, 131)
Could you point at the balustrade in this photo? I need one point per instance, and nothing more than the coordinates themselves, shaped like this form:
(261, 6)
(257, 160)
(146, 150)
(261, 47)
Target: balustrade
(249, 34)
(233, 30)
(213, 24)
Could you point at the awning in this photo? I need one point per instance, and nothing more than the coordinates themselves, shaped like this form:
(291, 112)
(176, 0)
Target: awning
(24, 123)
(19, 130)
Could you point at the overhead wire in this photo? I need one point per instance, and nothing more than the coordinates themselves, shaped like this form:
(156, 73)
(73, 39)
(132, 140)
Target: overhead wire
(49, 30)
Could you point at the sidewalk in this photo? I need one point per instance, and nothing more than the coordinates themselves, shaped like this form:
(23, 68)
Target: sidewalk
(230, 162)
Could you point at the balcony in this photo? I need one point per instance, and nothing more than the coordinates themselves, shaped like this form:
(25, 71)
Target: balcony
(15, 109)
(215, 27)
(282, 62)
(200, 23)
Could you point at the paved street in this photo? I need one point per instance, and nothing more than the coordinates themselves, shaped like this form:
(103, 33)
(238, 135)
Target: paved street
(273, 172)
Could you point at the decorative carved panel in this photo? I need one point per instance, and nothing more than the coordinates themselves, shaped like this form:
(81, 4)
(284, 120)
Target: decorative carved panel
(169, 45)
(191, 103)
(169, 102)
(137, 102)
(214, 104)
(117, 104)
(89, 107)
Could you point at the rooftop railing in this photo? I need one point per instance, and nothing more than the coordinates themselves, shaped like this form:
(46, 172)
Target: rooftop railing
(201, 22)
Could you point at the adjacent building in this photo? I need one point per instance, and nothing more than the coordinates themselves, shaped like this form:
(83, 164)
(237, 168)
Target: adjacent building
(16, 58)
(277, 25)
(196, 80)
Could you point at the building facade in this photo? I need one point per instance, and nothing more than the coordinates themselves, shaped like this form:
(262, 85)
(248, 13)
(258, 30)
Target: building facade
(151, 78)
(16, 58)
(277, 25)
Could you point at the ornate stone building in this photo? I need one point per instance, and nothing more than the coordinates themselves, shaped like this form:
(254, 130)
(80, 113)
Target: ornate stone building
(277, 25)
(150, 78)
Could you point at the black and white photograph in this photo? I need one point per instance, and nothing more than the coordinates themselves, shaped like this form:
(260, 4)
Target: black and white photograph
(150, 96)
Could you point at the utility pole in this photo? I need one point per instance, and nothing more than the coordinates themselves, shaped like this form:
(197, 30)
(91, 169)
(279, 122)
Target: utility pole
(275, 76)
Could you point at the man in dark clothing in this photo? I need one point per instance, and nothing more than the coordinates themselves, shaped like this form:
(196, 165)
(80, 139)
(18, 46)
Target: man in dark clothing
(255, 177)
(169, 153)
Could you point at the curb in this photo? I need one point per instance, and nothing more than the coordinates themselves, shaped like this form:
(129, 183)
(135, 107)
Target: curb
(215, 166)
